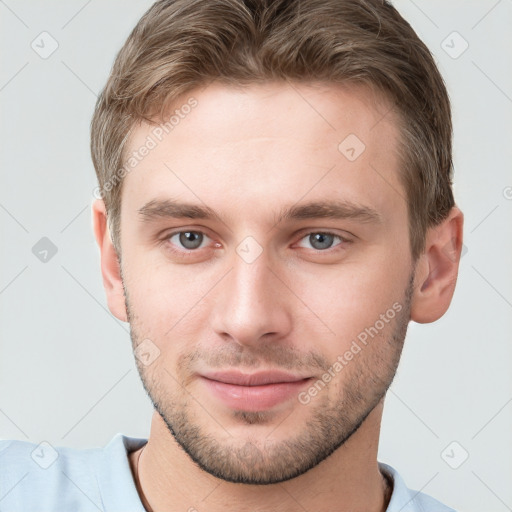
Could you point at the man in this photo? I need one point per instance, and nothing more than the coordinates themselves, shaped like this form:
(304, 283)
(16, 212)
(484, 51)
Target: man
(276, 207)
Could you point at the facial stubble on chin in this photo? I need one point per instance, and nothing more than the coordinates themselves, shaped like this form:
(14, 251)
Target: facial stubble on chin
(261, 462)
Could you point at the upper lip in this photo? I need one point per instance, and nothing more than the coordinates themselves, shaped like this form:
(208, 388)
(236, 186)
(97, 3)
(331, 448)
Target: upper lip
(253, 379)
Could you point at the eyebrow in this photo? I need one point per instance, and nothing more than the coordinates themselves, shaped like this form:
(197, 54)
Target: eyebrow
(331, 209)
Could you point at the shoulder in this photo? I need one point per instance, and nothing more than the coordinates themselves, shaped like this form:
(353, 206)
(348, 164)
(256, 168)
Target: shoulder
(42, 476)
(404, 499)
(45, 477)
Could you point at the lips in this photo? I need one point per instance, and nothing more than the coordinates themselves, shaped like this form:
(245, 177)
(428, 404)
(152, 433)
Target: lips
(254, 379)
(253, 392)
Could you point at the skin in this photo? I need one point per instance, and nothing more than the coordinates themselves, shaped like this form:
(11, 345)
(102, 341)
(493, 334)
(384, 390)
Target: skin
(246, 154)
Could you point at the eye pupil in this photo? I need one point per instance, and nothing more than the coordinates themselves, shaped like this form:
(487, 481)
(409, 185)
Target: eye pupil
(191, 239)
(321, 240)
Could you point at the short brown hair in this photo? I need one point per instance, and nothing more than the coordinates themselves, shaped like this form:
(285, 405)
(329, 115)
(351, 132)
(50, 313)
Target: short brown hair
(179, 45)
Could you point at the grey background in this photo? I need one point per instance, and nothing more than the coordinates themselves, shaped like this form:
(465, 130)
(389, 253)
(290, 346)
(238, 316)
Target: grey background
(67, 373)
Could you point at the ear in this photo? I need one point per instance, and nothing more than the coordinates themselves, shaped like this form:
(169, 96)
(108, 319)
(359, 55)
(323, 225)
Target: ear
(110, 267)
(437, 269)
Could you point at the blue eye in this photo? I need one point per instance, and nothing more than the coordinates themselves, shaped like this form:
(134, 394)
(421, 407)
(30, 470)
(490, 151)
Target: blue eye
(321, 241)
(186, 243)
(189, 240)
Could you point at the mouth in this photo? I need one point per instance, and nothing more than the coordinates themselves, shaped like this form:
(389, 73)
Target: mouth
(253, 392)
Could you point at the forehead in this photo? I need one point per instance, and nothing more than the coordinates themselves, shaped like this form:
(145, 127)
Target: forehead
(231, 148)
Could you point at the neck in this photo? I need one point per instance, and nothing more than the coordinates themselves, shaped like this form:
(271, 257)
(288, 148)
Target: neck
(348, 480)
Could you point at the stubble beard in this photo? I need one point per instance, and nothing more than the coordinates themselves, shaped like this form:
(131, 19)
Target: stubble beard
(265, 461)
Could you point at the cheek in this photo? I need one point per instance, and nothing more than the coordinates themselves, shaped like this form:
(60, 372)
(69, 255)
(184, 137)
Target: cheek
(349, 298)
(361, 308)
(160, 293)
(170, 313)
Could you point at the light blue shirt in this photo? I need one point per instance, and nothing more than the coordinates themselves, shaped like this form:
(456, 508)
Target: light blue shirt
(42, 478)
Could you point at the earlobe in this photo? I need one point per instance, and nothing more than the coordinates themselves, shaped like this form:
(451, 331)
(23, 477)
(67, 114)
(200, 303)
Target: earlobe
(110, 267)
(437, 269)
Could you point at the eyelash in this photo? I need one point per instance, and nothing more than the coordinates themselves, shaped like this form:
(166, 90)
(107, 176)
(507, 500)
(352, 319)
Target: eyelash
(190, 252)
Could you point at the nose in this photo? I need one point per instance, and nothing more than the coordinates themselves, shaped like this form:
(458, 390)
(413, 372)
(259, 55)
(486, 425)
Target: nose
(252, 305)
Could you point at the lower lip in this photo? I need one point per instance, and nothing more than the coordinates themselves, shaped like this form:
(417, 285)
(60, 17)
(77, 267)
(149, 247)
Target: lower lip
(254, 398)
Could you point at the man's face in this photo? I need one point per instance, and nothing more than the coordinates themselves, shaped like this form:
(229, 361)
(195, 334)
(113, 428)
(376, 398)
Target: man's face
(275, 337)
